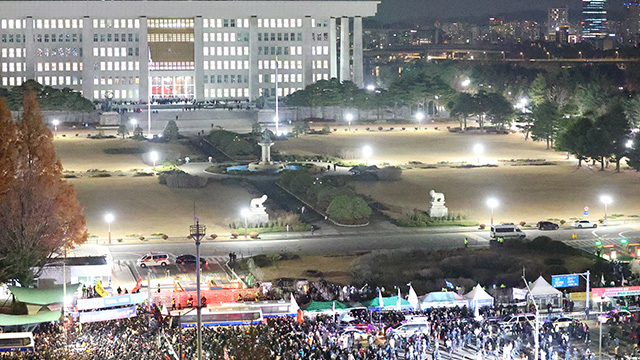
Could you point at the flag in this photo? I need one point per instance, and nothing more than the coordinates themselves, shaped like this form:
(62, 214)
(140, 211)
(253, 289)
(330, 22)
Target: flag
(99, 289)
(164, 311)
(333, 306)
(398, 300)
(602, 279)
(380, 301)
(137, 287)
(623, 281)
(449, 284)
(294, 304)
(413, 298)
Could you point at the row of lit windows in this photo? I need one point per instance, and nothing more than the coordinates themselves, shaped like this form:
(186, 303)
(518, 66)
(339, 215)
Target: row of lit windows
(281, 91)
(13, 52)
(279, 36)
(58, 37)
(117, 80)
(172, 65)
(116, 37)
(60, 52)
(117, 94)
(116, 23)
(279, 50)
(13, 67)
(13, 38)
(170, 23)
(225, 23)
(282, 64)
(320, 64)
(271, 78)
(318, 77)
(117, 66)
(58, 80)
(59, 66)
(13, 24)
(279, 23)
(319, 50)
(226, 65)
(226, 79)
(115, 52)
(12, 81)
(226, 51)
(226, 93)
(57, 24)
(225, 37)
(170, 37)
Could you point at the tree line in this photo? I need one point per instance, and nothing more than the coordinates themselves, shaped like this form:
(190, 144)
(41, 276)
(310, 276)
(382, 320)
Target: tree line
(48, 98)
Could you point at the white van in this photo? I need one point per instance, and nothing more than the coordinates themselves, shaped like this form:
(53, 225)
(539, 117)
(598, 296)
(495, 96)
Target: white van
(510, 321)
(506, 230)
(410, 328)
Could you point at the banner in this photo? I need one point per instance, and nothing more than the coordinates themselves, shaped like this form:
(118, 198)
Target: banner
(104, 315)
(616, 291)
(99, 289)
(519, 294)
(111, 301)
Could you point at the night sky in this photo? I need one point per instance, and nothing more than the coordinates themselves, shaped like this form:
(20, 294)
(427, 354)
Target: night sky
(398, 10)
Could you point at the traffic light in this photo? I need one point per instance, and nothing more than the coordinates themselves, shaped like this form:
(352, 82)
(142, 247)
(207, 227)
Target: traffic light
(624, 241)
(598, 243)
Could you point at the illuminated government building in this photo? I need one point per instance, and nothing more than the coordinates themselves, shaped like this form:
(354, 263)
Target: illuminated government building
(203, 50)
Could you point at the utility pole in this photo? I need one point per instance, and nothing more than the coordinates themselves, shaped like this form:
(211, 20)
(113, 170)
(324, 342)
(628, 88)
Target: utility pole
(536, 323)
(197, 232)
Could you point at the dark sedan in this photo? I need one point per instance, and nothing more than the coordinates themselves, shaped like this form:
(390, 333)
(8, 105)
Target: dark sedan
(190, 259)
(547, 225)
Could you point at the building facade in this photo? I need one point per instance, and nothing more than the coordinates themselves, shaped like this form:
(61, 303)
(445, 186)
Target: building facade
(557, 17)
(594, 19)
(202, 50)
(630, 27)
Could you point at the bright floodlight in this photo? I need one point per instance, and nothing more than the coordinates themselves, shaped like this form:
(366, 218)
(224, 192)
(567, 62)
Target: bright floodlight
(465, 82)
(492, 203)
(478, 149)
(606, 199)
(419, 116)
(349, 117)
(245, 213)
(134, 122)
(371, 87)
(629, 144)
(153, 156)
(109, 218)
(55, 122)
(367, 151)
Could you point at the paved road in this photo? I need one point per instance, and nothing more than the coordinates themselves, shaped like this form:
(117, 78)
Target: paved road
(364, 241)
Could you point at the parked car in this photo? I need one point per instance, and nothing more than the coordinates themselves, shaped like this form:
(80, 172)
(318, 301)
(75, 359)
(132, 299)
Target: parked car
(617, 315)
(154, 260)
(547, 225)
(562, 322)
(506, 230)
(190, 259)
(410, 328)
(579, 224)
(509, 321)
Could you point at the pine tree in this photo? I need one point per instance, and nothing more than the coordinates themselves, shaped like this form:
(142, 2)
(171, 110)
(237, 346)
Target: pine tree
(40, 214)
(171, 132)
(123, 130)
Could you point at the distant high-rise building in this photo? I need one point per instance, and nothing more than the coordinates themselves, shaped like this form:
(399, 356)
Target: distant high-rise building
(630, 27)
(558, 16)
(562, 34)
(594, 19)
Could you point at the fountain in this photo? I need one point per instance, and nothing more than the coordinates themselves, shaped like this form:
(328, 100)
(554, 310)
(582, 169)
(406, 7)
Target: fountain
(265, 163)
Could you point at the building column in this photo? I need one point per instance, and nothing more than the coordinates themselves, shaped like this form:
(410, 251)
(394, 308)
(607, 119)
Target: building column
(198, 57)
(333, 48)
(254, 88)
(358, 75)
(30, 46)
(307, 58)
(87, 58)
(345, 68)
(144, 59)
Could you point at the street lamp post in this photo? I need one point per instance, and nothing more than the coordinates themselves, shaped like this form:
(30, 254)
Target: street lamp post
(198, 232)
(109, 219)
(134, 124)
(55, 123)
(366, 152)
(606, 200)
(478, 149)
(580, 54)
(466, 82)
(153, 156)
(245, 215)
(419, 116)
(548, 55)
(492, 203)
(349, 118)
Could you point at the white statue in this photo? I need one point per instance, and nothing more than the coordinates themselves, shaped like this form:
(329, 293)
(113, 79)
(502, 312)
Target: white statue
(258, 211)
(437, 208)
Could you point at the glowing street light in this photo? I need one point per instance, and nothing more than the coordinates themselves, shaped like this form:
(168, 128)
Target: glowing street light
(522, 103)
(371, 87)
(245, 214)
(492, 203)
(349, 118)
(367, 151)
(153, 156)
(629, 144)
(109, 219)
(580, 54)
(606, 200)
(419, 116)
(55, 123)
(134, 123)
(466, 82)
(478, 149)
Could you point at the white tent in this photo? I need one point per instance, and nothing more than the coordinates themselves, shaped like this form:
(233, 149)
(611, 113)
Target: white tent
(478, 298)
(438, 299)
(544, 293)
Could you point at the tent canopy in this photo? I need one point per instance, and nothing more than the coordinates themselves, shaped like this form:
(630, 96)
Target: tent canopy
(478, 293)
(542, 288)
(442, 296)
(41, 317)
(388, 302)
(325, 306)
(43, 297)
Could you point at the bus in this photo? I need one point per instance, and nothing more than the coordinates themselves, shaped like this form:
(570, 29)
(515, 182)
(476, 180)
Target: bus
(219, 317)
(19, 341)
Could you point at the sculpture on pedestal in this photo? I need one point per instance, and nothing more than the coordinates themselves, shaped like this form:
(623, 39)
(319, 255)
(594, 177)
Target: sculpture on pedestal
(437, 208)
(257, 211)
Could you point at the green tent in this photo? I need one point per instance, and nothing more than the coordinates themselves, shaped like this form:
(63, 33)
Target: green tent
(41, 317)
(390, 302)
(325, 306)
(42, 296)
